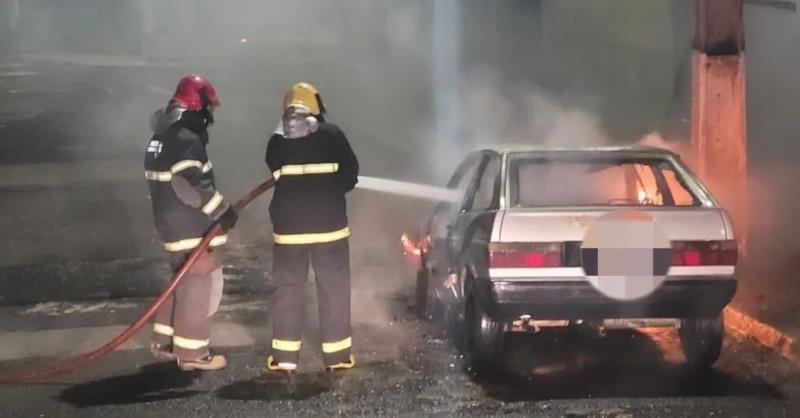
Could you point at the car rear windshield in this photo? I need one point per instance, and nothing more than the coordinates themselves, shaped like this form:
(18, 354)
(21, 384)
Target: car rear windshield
(596, 181)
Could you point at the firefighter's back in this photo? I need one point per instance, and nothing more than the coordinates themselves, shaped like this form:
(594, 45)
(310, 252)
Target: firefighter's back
(310, 192)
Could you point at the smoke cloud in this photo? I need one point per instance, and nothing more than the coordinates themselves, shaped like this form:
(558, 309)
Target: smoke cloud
(497, 114)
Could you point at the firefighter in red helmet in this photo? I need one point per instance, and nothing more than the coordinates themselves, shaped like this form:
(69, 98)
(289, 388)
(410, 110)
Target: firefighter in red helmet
(314, 168)
(186, 204)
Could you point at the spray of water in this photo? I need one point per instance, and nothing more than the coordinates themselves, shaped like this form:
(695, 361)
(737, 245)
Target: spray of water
(408, 189)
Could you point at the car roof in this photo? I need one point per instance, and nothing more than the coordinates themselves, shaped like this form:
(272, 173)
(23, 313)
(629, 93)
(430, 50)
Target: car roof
(520, 149)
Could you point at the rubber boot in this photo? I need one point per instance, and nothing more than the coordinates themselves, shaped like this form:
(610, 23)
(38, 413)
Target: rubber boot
(342, 366)
(280, 367)
(162, 351)
(208, 363)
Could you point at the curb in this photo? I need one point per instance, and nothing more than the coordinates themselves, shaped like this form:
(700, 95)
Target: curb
(743, 326)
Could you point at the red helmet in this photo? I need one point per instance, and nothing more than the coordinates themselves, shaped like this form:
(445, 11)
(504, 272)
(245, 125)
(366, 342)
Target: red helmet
(194, 92)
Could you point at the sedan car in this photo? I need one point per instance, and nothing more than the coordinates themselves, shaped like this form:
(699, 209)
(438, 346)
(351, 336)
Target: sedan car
(539, 237)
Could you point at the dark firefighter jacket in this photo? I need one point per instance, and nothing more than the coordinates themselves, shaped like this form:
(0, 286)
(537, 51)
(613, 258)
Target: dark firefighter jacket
(313, 175)
(182, 190)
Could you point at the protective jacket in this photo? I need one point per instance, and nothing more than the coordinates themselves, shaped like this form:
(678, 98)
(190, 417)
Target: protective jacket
(313, 175)
(181, 180)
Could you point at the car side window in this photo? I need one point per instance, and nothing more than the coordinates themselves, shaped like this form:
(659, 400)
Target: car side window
(486, 194)
(464, 176)
(460, 181)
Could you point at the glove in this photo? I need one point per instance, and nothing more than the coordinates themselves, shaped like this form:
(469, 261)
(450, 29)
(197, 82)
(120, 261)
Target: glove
(228, 219)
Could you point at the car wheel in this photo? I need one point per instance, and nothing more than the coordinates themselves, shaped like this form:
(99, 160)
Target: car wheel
(701, 340)
(484, 339)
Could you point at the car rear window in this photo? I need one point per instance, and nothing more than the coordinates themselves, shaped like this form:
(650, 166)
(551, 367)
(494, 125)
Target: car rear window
(596, 181)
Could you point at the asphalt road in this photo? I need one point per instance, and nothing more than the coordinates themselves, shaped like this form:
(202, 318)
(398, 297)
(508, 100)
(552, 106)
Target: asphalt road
(407, 368)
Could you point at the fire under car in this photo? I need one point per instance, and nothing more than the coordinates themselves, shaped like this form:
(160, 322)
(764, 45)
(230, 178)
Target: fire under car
(605, 238)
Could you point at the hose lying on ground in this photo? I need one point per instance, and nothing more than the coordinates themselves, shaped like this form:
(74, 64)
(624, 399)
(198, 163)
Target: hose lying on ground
(78, 362)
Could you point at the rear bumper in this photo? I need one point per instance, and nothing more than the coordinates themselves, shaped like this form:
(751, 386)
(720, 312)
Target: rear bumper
(685, 297)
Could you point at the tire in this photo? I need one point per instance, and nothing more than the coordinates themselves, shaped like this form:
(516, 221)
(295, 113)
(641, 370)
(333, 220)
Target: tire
(484, 339)
(701, 340)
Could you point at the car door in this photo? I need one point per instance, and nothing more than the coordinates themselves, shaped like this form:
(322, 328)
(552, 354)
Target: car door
(446, 214)
(471, 229)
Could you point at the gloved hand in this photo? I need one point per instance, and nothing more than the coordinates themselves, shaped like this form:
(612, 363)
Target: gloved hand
(228, 219)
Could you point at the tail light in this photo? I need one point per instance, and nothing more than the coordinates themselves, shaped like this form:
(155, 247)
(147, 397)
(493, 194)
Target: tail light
(704, 253)
(525, 255)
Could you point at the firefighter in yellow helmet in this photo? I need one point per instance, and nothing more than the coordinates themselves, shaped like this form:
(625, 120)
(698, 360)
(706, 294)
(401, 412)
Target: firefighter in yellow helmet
(315, 167)
(305, 96)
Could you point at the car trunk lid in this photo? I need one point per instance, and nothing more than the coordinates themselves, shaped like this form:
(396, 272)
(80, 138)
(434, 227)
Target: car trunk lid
(561, 225)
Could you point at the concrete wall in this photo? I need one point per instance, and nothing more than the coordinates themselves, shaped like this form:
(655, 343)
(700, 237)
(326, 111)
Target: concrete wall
(773, 105)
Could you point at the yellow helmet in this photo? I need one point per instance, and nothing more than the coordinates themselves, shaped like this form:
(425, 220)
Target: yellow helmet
(305, 96)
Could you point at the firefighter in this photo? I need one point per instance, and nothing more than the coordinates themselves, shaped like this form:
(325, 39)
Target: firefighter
(186, 204)
(315, 167)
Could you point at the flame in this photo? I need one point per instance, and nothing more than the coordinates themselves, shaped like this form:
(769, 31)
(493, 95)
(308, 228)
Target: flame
(643, 198)
(409, 246)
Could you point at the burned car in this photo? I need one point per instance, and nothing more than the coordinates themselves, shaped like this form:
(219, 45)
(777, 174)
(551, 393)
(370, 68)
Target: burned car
(623, 237)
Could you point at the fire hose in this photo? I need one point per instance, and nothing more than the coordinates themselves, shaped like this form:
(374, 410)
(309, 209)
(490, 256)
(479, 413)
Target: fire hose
(71, 364)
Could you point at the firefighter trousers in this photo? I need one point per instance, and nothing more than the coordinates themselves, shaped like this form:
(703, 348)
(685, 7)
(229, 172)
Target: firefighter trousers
(331, 264)
(184, 320)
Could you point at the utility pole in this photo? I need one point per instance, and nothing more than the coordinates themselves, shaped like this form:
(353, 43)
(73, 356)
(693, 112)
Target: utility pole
(719, 135)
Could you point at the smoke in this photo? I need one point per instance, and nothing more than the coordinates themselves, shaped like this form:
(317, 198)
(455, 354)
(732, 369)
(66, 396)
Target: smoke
(681, 147)
(496, 114)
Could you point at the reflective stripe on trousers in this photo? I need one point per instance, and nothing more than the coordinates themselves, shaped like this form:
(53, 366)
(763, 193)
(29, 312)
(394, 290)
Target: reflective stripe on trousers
(284, 345)
(336, 346)
(163, 329)
(189, 343)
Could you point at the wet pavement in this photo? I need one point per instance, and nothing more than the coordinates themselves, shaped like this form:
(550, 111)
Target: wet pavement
(408, 368)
